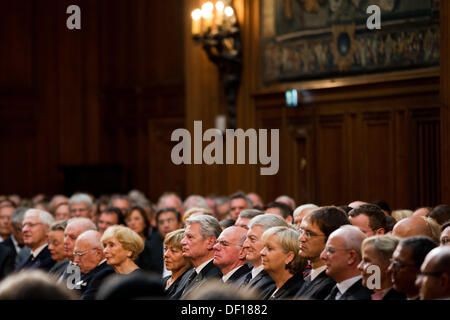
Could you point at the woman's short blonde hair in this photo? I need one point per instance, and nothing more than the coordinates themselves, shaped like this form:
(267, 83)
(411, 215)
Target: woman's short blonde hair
(174, 238)
(384, 245)
(401, 214)
(288, 240)
(191, 211)
(128, 238)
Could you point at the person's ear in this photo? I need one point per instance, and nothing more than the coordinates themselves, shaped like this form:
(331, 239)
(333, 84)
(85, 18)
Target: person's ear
(353, 257)
(290, 256)
(242, 253)
(210, 242)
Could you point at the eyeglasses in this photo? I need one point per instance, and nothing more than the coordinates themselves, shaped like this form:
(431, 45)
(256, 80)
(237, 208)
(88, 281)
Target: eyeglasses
(80, 254)
(225, 244)
(429, 274)
(445, 240)
(30, 225)
(397, 265)
(308, 234)
(331, 250)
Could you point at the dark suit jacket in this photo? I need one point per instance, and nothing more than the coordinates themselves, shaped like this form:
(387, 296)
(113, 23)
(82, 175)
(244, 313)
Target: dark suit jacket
(59, 268)
(6, 261)
(356, 292)
(42, 261)
(394, 295)
(289, 288)
(174, 286)
(151, 258)
(318, 289)
(208, 272)
(263, 283)
(92, 280)
(236, 277)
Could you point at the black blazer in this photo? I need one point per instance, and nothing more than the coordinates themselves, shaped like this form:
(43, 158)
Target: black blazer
(394, 295)
(318, 289)
(208, 272)
(356, 292)
(289, 288)
(152, 257)
(91, 281)
(236, 277)
(263, 283)
(42, 261)
(174, 286)
(6, 261)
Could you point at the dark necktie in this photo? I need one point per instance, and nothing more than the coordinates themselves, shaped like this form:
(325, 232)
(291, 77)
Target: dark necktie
(20, 245)
(248, 278)
(333, 293)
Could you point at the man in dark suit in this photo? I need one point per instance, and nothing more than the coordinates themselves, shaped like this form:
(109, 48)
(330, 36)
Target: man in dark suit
(15, 241)
(35, 228)
(315, 229)
(342, 255)
(151, 259)
(88, 255)
(229, 254)
(6, 261)
(257, 278)
(198, 242)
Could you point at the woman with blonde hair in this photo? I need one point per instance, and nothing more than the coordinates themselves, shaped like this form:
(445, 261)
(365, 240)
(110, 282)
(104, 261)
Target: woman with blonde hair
(175, 262)
(121, 247)
(281, 260)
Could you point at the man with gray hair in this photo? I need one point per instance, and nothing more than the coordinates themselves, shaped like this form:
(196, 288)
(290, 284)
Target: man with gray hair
(238, 202)
(302, 211)
(35, 228)
(170, 200)
(80, 205)
(198, 246)
(287, 200)
(342, 254)
(15, 242)
(245, 216)
(195, 201)
(258, 278)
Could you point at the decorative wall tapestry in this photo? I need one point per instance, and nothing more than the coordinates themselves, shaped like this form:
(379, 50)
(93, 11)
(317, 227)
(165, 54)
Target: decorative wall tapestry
(316, 39)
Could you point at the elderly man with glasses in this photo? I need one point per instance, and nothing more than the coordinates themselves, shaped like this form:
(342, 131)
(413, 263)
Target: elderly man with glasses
(35, 228)
(315, 229)
(88, 255)
(342, 255)
(405, 264)
(229, 254)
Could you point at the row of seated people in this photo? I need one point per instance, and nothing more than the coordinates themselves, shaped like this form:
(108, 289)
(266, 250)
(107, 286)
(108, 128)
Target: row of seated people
(320, 257)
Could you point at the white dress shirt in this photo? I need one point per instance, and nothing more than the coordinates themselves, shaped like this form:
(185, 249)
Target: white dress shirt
(345, 285)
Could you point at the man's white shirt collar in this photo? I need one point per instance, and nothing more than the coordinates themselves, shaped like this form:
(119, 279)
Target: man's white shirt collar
(200, 267)
(256, 271)
(345, 285)
(229, 274)
(315, 272)
(36, 252)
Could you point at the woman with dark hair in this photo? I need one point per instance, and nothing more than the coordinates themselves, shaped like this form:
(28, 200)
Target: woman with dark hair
(137, 221)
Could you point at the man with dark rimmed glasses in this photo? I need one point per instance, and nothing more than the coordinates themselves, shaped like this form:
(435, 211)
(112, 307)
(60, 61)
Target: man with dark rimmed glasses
(405, 264)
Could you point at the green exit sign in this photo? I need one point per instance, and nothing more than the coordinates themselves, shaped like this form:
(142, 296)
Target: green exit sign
(291, 98)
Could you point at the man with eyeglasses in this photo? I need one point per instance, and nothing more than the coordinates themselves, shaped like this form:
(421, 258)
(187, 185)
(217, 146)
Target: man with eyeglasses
(80, 205)
(342, 255)
(405, 264)
(229, 254)
(315, 229)
(35, 228)
(434, 277)
(197, 244)
(88, 255)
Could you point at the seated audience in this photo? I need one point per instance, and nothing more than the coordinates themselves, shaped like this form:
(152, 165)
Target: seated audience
(369, 218)
(441, 214)
(300, 212)
(110, 216)
(121, 247)
(120, 201)
(15, 241)
(414, 226)
(377, 252)
(256, 200)
(401, 214)
(56, 247)
(238, 202)
(422, 211)
(281, 260)
(174, 260)
(62, 212)
(405, 264)
(81, 206)
(214, 289)
(6, 261)
(383, 205)
(245, 216)
(222, 208)
(226, 223)
(286, 200)
(136, 220)
(281, 209)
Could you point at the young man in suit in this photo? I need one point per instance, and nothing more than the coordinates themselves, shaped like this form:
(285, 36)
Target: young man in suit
(258, 278)
(88, 255)
(35, 228)
(198, 242)
(342, 255)
(315, 229)
(229, 255)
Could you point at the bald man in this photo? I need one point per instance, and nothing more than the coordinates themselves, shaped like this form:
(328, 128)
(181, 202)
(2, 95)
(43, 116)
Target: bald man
(434, 277)
(229, 254)
(412, 226)
(88, 255)
(342, 254)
